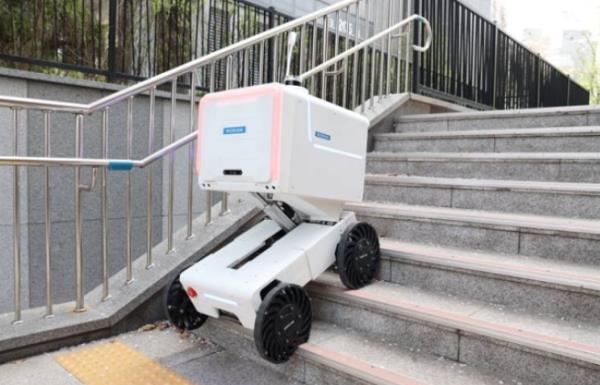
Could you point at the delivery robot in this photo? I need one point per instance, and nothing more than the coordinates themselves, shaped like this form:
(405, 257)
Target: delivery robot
(299, 158)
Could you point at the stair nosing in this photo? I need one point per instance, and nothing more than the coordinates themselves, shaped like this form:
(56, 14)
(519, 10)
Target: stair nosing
(479, 218)
(511, 271)
(348, 365)
(542, 187)
(501, 114)
(531, 157)
(443, 318)
(549, 132)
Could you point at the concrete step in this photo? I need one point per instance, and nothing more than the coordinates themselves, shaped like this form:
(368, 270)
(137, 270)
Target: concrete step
(528, 348)
(555, 238)
(560, 167)
(337, 355)
(575, 200)
(554, 290)
(564, 139)
(543, 117)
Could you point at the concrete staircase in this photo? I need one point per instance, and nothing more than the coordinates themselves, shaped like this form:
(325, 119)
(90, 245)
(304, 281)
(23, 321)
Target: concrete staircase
(491, 270)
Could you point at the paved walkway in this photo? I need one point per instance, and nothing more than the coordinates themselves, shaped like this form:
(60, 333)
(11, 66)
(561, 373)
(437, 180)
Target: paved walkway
(195, 360)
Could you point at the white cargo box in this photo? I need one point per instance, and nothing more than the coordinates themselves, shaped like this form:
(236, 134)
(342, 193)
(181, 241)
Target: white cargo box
(281, 140)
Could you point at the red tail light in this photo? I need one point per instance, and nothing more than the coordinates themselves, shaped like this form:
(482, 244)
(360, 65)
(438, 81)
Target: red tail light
(191, 292)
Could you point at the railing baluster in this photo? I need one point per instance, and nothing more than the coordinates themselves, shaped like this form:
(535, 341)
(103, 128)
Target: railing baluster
(275, 63)
(336, 50)
(105, 267)
(388, 77)
(129, 208)
(171, 158)
(190, 192)
(47, 222)
(345, 74)
(399, 61)
(363, 91)
(407, 59)
(302, 48)
(16, 222)
(79, 288)
(382, 55)
(246, 72)
(325, 55)
(209, 193)
(225, 195)
(355, 59)
(149, 263)
(373, 57)
(261, 62)
(313, 59)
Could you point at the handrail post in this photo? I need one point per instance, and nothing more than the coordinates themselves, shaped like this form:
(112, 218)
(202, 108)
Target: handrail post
(416, 56)
(79, 288)
(129, 205)
(112, 44)
(16, 223)
(539, 79)
(190, 186)
(494, 88)
(47, 221)
(149, 181)
(271, 53)
(568, 90)
(104, 209)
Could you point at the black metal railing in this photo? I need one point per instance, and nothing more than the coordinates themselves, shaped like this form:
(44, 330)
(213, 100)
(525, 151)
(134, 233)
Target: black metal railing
(475, 63)
(471, 62)
(123, 39)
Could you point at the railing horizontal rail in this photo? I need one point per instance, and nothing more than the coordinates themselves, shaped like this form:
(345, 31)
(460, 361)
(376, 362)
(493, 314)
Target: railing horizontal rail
(368, 42)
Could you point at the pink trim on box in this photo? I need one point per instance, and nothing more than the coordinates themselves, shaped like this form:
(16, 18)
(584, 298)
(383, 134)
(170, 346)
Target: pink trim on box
(242, 94)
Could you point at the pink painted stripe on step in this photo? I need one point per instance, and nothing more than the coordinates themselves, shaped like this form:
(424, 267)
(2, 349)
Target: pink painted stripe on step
(389, 247)
(467, 323)
(357, 365)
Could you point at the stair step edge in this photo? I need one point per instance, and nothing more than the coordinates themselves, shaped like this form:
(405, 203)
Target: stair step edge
(582, 228)
(530, 340)
(572, 281)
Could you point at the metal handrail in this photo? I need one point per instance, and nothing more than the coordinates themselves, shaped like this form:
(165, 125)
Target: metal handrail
(128, 164)
(111, 164)
(365, 26)
(174, 73)
(346, 54)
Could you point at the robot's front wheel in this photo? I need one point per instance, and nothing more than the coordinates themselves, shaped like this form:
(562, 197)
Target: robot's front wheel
(358, 255)
(283, 322)
(179, 308)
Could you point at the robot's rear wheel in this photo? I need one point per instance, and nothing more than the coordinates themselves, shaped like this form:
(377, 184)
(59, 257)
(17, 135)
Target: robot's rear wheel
(283, 322)
(358, 255)
(179, 308)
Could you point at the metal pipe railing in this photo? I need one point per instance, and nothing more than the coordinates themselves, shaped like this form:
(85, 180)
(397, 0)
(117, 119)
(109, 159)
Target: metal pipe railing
(327, 24)
(368, 42)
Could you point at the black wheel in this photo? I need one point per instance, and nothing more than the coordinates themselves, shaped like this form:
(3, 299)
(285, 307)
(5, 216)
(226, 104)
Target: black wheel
(358, 256)
(179, 308)
(282, 323)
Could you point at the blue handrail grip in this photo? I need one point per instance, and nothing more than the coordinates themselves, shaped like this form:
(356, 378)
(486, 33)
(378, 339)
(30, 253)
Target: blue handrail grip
(120, 165)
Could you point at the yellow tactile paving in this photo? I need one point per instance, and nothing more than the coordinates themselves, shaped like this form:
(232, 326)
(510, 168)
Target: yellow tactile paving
(115, 363)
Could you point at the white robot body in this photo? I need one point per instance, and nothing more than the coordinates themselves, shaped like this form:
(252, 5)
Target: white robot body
(300, 158)
(276, 139)
(231, 279)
